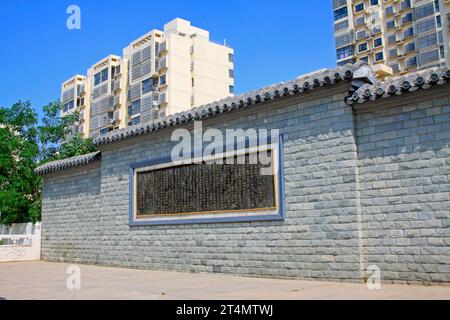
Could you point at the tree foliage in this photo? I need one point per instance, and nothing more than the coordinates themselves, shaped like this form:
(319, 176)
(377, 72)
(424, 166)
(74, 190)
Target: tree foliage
(23, 146)
(19, 186)
(58, 138)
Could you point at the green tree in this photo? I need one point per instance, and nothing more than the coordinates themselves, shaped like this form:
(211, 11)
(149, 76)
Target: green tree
(23, 146)
(58, 138)
(19, 186)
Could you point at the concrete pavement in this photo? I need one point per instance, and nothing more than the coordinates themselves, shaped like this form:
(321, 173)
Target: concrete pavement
(44, 280)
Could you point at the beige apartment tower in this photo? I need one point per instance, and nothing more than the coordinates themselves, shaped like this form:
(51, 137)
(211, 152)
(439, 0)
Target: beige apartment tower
(74, 97)
(161, 73)
(108, 82)
(405, 35)
(175, 70)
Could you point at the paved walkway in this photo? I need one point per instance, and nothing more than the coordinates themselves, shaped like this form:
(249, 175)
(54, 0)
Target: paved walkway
(44, 280)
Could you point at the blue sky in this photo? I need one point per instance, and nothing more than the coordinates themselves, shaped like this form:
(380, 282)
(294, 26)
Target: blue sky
(273, 40)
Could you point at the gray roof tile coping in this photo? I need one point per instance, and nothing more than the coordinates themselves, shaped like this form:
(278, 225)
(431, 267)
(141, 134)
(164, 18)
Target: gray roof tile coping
(67, 163)
(296, 86)
(396, 86)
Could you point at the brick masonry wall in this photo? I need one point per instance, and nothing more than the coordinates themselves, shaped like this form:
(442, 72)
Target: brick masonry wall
(404, 160)
(331, 209)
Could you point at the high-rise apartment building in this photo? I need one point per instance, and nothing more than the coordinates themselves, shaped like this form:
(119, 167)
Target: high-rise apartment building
(108, 83)
(74, 98)
(175, 70)
(406, 35)
(161, 73)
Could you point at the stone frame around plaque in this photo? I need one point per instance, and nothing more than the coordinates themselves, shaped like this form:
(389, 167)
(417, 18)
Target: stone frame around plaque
(277, 214)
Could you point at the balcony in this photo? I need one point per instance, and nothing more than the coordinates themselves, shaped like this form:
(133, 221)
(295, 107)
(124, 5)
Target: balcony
(116, 101)
(363, 34)
(410, 47)
(116, 115)
(162, 64)
(162, 98)
(405, 4)
(407, 19)
(162, 48)
(389, 11)
(376, 30)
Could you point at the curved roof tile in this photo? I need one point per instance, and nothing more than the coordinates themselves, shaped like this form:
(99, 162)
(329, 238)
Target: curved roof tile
(68, 163)
(302, 84)
(395, 86)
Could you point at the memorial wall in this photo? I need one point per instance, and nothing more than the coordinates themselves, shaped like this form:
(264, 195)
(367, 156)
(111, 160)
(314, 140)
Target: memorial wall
(362, 178)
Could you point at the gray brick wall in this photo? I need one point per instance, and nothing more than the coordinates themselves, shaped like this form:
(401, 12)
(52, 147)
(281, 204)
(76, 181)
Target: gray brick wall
(404, 160)
(339, 218)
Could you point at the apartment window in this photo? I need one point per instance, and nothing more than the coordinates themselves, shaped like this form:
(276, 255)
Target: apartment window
(373, 2)
(389, 10)
(344, 62)
(360, 21)
(339, 3)
(344, 40)
(438, 21)
(104, 131)
(113, 72)
(163, 80)
(395, 67)
(448, 22)
(406, 4)
(408, 33)
(359, 7)
(365, 59)
(97, 79)
(101, 76)
(230, 57)
(362, 47)
(377, 42)
(436, 5)
(344, 52)
(340, 13)
(231, 73)
(231, 89)
(425, 25)
(192, 82)
(423, 11)
(411, 62)
(411, 46)
(430, 56)
(379, 56)
(390, 24)
(104, 74)
(361, 35)
(147, 85)
(134, 121)
(69, 105)
(135, 108)
(341, 25)
(407, 18)
(426, 41)
(376, 30)
(442, 51)
(393, 53)
(392, 38)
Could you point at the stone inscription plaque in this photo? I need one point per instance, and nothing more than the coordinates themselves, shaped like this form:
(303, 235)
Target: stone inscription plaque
(204, 188)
